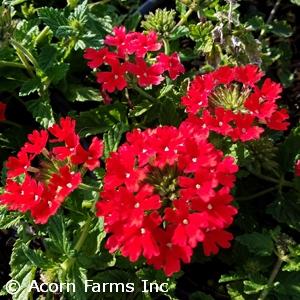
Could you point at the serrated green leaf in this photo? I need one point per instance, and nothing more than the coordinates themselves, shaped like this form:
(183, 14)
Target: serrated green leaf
(8, 219)
(286, 209)
(280, 28)
(23, 271)
(132, 22)
(58, 236)
(52, 18)
(66, 31)
(77, 277)
(37, 258)
(82, 93)
(255, 284)
(47, 57)
(286, 77)
(31, 85)
(41, 110)
(94, 238)
(12, 2)
(57, 72)
(290, 282)
(168, 114)
(256, 22)
(288, 150)
(100, 119)
(140, 108)
(113, 138)
(258, 243)
(296, 2)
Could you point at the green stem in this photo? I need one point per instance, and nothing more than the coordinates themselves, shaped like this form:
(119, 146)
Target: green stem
(266, 191)
(25, 62)
(17, 45)
(167, 46)
(145, 94)
(4, 63)
(275, 270)
(69, 262)
(11, 123)
(87, 187)
(281, 181)
(230, 15)
(183, 19)
(42, 34)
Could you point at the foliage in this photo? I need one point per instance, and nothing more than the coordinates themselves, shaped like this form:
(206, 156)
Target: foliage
(50, 74)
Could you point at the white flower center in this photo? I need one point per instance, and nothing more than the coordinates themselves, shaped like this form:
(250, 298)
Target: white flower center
(198, 186)
(244, 130)
(127, 175)
(169, 245)
(69, 185)
(194, 159)
(209, 206)
(143, 230)
(185, 222)
(137, 205)
(116, 77)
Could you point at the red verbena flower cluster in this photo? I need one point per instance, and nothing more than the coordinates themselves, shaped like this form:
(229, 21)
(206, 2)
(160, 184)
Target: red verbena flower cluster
(128, 63)
(231, 104)
(43, 189)
(165, 190)
(2, 111)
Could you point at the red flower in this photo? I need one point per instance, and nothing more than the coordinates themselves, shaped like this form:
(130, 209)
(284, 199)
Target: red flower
(248, 74)
(244, 130)
(144, 43)
(146, 75)
(63, 130)
(214, 237)
(224, 75)
(98, 57)
(121, 40)
(259, 108)
(65, 182)
(2, 111)
(120, 170)
(297, 168)
(114, 79)
(18, 165)
(171, 64)
(189, 226)
(276, 120)
(38, 142)
(71, 143)
(91, 157)
(169, 254)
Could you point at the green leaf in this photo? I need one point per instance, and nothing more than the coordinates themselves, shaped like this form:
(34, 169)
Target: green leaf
(256, 284)
(77, 277)
(100, 119)
(140, 108)
(132, 22)
(31, 85)
(286, 77)
(168, 114)
(200, 296)
(58, 236)
(113, 138)
(288, 150)
(256, 22)
(258, 243)
(23, 271)
(82, 93)
(12, 2)
(66, 31)
(8, 219)
(296, 2)
(286, 209)
(93, 240)
(41, 110)
(57, 72)
(290, 282)
(52, 18)
(47, 57)
(37, 258)
(280, 28)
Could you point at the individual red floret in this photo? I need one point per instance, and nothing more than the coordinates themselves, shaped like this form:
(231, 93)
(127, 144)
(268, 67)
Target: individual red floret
(63, 130)
(98, 57)
(114, 79)
(91, 157)
(171, 64)
(144, 43)
(216, 237)
(18, 165)
(146, 75)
